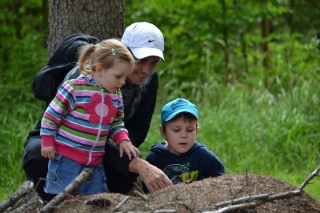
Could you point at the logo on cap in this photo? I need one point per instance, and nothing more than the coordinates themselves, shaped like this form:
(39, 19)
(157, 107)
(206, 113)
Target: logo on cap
(178, 103)
(151, 40)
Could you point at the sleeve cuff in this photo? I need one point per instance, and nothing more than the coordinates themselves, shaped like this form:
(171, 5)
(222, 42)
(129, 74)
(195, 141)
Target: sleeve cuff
(121, 136)
(47, 140)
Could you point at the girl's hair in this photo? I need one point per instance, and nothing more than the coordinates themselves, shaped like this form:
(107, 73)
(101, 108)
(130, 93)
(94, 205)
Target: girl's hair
(104, 54)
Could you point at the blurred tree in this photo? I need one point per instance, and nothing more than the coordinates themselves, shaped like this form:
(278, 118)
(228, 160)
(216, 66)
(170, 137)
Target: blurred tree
(100, 18)
(303, 17)
(265, 35)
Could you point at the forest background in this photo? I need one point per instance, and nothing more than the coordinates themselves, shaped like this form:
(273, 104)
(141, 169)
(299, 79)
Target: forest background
(252, 68)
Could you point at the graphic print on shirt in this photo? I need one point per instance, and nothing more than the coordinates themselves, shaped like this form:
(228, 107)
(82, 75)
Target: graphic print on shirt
(98, 108)
(178, 173)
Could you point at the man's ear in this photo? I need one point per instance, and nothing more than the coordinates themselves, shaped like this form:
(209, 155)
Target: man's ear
(163, 134)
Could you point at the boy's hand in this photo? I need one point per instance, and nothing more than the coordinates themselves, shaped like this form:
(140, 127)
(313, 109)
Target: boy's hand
(128, 148)
(48, 152)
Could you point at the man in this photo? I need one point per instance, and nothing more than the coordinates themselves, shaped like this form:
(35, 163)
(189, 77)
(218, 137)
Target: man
(146, 43)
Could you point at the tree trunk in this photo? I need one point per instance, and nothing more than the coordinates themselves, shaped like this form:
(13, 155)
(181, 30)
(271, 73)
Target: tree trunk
(265, 35)
(225, 33)
(100, 18)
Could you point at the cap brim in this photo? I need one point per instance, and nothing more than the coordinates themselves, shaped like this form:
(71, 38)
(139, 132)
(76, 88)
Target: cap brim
(178, 112)
(141, 53)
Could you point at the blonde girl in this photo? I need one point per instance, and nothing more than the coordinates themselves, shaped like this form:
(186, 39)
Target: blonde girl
(85, 113)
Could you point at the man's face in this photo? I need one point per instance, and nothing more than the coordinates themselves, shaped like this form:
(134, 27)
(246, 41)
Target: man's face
(142, 70)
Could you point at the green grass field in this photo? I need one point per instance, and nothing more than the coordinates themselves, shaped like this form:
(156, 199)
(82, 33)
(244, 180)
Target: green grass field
(272, 138)
(248, 127)
(262, 136)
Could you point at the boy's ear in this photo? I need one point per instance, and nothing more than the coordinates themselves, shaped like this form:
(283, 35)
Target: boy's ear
(163, 135)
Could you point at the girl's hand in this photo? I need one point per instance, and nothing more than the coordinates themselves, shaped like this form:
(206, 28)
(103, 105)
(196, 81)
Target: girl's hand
(48, 152)
(129, 149)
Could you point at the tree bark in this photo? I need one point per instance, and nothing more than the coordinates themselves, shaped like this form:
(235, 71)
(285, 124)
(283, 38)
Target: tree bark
(100, 18)
(225, 33)
(265, 34)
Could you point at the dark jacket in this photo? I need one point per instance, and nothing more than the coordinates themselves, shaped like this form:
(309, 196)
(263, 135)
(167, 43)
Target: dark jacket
(196, 164)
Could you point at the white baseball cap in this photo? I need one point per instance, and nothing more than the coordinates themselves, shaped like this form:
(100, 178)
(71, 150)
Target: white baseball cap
(144, 40)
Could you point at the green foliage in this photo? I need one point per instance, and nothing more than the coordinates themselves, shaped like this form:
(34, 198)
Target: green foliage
(22, 55)
(257, 115)
(196, 47)
(20, 110)
(259, 109)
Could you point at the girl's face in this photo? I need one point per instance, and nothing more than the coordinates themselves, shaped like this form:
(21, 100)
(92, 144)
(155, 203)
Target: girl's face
(114, 77)
(180, 134)
(143, 69)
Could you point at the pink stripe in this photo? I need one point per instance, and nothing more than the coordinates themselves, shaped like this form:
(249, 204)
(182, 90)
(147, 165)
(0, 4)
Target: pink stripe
(56, 108)
(48, 126)
(86, 92)
(85, 129)
(80, 140)
(64, 101)
(79, 115)
(51, 117)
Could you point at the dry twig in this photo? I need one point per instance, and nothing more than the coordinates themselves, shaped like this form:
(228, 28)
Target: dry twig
(74, 185)
(121, 203)
(25, 188)
(138, 194)
(255, 200)
(309, 178)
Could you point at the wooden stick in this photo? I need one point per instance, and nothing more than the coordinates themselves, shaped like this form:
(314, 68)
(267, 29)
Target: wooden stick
(255, 200)
(121, 203)
(138, 194)
(25, 188)
(309, 178)
(74, 185)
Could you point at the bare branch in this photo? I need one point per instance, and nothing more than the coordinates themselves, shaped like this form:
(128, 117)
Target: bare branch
(121, 203)
(246, 201)
(138, 194)
(309, 178)
(74, 185)
(25, 188)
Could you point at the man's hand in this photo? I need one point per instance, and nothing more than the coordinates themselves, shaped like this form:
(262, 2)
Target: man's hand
(153, 177)
(48, 152)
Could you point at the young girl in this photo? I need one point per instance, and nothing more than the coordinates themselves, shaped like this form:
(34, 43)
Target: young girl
(85, 113)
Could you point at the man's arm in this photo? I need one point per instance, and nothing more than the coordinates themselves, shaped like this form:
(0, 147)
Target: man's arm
(153, 177)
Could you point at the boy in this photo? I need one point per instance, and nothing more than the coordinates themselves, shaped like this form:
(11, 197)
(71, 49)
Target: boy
(181, 157)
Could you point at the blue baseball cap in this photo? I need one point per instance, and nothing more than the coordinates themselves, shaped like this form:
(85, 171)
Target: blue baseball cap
(177, 106)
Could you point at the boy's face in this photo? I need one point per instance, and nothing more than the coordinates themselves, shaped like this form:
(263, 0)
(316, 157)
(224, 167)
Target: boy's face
(180, 134)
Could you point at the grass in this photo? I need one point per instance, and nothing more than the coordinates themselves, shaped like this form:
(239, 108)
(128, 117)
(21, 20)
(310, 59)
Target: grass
(249, 128)
(252, 131)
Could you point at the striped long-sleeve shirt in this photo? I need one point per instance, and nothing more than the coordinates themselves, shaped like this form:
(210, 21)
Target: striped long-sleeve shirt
(80, 118)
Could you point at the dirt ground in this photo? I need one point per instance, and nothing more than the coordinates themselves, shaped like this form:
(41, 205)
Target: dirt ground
(198, 196)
